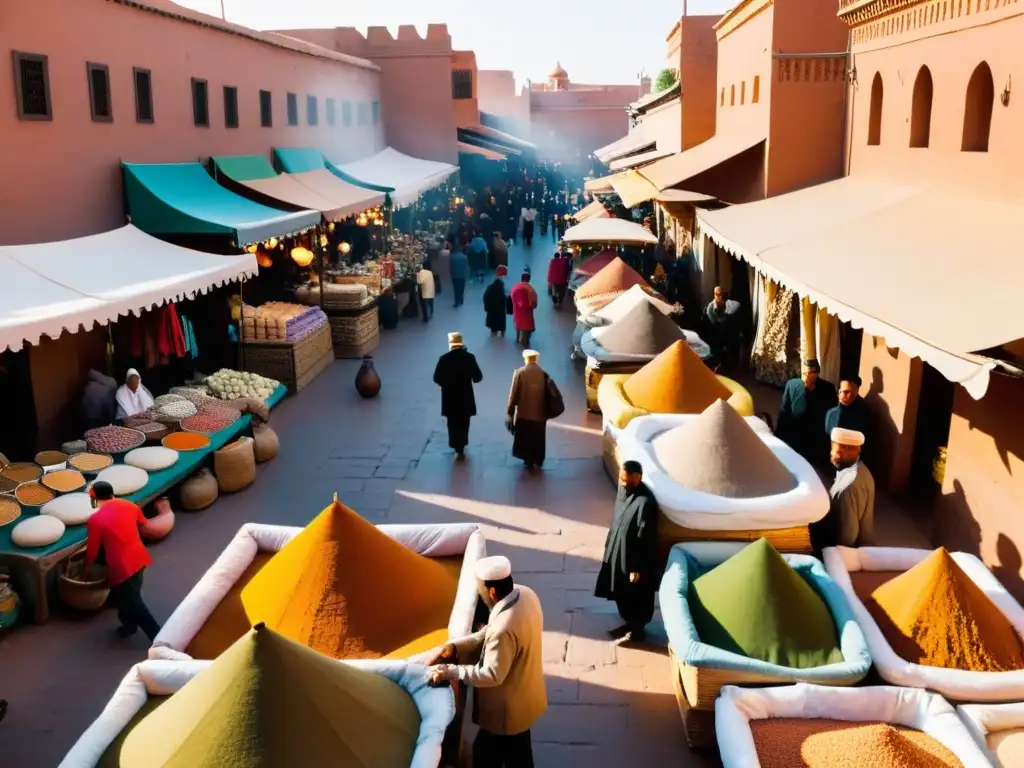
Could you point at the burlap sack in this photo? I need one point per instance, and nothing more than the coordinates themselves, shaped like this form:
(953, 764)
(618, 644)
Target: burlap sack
(235, 465)
(265, 443)
(199, 491)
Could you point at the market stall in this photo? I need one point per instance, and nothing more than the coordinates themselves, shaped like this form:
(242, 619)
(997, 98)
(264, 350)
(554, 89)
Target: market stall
(405, 178)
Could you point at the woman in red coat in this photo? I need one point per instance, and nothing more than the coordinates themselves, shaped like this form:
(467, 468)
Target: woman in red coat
(524, 301)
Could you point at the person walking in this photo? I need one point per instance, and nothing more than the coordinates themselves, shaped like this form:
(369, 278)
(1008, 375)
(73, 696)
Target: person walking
(504, 664)
(499, 251)
(528, 217)
(533, 399)
(558, 276)
(456, 373)
(524, 301)
(443, 267)
(459, 267)
(425, 281)
(113, 540)
(805, 403)
(478, 257)
(628, 573)
(496, 304)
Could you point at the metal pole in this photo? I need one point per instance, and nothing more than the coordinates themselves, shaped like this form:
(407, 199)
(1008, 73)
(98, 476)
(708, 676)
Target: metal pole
(225, 18)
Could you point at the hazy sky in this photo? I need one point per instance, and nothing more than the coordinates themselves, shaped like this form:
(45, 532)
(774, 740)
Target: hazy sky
(597, 41)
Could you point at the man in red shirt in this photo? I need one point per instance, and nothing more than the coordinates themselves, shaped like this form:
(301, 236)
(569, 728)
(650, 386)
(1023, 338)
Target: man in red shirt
(114, 540)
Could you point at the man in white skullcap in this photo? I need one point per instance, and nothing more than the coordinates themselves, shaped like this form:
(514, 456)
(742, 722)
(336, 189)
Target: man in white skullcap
(850, 521)
(504, 665)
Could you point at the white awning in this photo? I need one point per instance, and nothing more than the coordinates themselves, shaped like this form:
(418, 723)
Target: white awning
(880, 257)
(635, 141)
(408, 176)
(600, 230)
(50, 288)
(638, 161)
(677, 169)
(592, 210)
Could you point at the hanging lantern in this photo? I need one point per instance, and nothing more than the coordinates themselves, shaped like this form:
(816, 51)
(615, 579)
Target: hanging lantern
(272, 242)
(362, 221)
(264, 259)
(251, 248)
(345, 248)
(323, 241)
(302, 256)
(330, 226)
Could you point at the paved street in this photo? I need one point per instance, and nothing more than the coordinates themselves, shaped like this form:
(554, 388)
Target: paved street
(389, 460)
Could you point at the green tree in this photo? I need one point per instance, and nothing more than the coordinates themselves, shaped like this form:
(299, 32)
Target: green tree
(665, 80)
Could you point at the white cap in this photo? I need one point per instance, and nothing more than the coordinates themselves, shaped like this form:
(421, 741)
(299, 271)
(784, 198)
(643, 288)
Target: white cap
(530, 354)
(455, 339)
(131, 372)
(847, 437)
(493, 568)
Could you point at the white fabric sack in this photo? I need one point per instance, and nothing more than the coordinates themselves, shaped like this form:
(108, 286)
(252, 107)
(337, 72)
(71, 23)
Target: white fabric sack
(441, 540)
(38, 531)
(70, 509)
(982, 720)
(163, 678)
(923, 711)
(956, 684)
(807, 503)
(152, 458)
(124, 479)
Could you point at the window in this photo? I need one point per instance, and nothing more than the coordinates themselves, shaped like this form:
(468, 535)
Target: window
(721, 101)
(755, 96)
(143, 95)
(330, 112)
(921, 109)
(462, 84)
(375, 112)
(732, 95)
(981, 95)
(200, 103)
(364, 113)
(743, 92)
(312, 111)
(266, 110)
(230, 106)
(293, 109)
(32, 78)
(875, 115)
(99, 92)
(346, 113)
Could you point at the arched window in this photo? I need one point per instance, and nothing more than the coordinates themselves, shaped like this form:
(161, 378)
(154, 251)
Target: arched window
(921, 109)
(981, 94)
(732, 95)
(875, 116)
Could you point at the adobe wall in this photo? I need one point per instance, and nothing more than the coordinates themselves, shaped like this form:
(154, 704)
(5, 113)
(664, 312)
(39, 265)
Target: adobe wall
(68, 169)
(564, 134)
(467, 111)
(698, 67)
(415, 83)
(979, 510)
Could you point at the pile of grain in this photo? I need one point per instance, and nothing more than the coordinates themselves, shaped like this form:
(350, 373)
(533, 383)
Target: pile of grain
(1008, 747)
(819, 743)
(936, 616)
(644, 330)
(270, 702)
(676, 381)
(617, 276)
(755, 605)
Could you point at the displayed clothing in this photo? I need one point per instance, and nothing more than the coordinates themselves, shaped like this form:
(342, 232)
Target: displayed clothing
(155, 337)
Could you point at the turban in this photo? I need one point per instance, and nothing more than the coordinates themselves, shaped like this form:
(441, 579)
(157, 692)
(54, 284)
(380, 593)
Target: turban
(847, 437)
(493, 568)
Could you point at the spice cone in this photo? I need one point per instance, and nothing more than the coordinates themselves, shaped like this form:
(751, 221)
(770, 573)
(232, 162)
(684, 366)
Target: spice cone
(349, 591)
(935, 615)
(616, 277)
(676, 381)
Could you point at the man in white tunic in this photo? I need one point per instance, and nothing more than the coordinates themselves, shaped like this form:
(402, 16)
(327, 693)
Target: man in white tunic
(850, 521)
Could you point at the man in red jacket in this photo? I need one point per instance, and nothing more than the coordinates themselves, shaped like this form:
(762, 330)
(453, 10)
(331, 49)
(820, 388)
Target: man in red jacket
(114, 540)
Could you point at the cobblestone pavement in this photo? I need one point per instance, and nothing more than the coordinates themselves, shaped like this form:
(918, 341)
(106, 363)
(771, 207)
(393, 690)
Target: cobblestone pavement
(389, 460)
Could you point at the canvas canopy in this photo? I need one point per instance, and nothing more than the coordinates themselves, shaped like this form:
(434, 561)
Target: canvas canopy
(639, 160)
(592, 210)
(804, 239)
(183, 199)
(487, 154)
(609, 231)
(503, 138)
(478, 137)
(315, 189)
(50, 288)
(408, 176)
(634, 142)
(299, 159)
(679, 168)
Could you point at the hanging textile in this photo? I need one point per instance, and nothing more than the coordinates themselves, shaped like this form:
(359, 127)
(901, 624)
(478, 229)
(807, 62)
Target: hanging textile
(761, 287)
(808, 330)
(828, 346)
(191, 347)
(771, 358)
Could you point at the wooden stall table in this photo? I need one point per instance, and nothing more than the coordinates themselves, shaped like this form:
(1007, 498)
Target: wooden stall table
(293, 363)
(32, 569)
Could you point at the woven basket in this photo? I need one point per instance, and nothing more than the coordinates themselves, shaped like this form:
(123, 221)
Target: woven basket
(50, 458)
(25, 471)
(698, 724)
(235, 465)
(356, 335)
(89, 595)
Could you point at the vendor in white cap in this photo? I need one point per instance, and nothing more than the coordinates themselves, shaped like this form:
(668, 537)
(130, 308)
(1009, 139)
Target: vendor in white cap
(132, 397)
(850, 521)
(504, 665)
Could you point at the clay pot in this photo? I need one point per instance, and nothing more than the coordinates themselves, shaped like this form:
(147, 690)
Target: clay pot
(159, 526)
(367, 380)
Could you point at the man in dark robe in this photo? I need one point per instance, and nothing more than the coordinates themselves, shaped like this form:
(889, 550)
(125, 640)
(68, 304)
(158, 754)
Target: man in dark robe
(456, 373)
(628, 572)
(496, 303)
(851, 413)
(805, 401)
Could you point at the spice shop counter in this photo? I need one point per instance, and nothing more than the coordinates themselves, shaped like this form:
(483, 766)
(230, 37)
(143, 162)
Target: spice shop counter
(32, 568)
(934, 620)
(282, 701)
(818, 726)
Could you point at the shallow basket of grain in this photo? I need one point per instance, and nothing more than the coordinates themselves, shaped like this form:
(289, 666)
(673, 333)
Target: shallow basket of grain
(90, 462)
(22, 472)
(822, 727)
(10, 510)
(51, 459)
(33, 494)
(83, 594)
(63, 480)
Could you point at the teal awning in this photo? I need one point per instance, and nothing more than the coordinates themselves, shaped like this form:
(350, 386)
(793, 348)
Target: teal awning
(243, 168)
(183, 199)
(298, 160)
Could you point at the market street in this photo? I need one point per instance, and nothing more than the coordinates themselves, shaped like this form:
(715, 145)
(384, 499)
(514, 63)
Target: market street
(389, 460)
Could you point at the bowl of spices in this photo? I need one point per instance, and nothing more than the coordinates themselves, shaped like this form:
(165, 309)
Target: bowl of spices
(49, 459)
(89, 463)
(207, 423)
(33, 494)
(64, 480)
(10, 510)
(22, 472)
